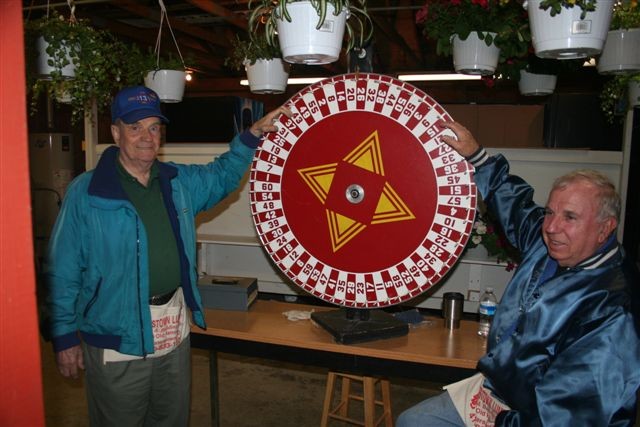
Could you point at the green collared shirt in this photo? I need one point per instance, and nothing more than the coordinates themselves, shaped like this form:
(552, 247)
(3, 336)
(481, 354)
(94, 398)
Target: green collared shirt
(164, 263)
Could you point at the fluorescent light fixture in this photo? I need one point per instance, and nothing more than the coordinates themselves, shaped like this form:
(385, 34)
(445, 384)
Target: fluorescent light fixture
(405, 77)
(293, 80)
(437, 77)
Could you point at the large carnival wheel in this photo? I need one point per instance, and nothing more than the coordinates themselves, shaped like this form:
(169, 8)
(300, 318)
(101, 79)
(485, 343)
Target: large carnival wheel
(355, 198)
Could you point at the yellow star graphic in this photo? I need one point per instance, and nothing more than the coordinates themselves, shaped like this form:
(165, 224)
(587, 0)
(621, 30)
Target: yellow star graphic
(390, 206)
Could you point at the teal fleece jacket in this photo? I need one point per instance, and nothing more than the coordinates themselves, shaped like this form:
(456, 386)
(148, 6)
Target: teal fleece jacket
(97, 264)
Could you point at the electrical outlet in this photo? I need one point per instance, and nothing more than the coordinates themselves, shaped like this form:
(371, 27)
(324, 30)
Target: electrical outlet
(473, 288)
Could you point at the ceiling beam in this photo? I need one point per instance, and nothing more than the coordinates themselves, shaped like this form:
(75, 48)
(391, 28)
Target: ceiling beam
(206, 60)
(176, 23)
(387, 29)
(217, 10)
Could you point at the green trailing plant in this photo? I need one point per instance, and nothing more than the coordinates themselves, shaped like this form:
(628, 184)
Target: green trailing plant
(358, 29)
(442, 19)
(250, 51)
(556, 6)
(168, 62)
(614, 97)
(140, 63)
(625, 15)
(96, 54)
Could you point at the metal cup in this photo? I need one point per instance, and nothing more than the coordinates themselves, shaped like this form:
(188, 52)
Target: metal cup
(452, 309)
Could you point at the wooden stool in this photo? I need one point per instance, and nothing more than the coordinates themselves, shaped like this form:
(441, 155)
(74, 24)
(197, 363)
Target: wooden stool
(368, 399)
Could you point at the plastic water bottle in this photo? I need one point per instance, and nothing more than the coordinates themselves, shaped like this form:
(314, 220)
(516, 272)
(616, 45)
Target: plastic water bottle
(488, 304)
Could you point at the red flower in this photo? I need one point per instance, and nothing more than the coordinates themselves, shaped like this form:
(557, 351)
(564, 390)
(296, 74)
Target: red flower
(482, 3)
(421, 15)
(489, 81)
(505, 18)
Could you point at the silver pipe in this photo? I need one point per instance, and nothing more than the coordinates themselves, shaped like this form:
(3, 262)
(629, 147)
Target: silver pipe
(49, 112)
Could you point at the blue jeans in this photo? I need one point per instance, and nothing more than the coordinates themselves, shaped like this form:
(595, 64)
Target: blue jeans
(437, 411)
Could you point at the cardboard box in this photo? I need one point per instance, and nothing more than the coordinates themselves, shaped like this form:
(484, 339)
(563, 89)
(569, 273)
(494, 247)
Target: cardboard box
(228, 293)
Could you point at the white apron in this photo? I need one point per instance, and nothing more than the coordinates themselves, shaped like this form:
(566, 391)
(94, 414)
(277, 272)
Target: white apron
(170, 324)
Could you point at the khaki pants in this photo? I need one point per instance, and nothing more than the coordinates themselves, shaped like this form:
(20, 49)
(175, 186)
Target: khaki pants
(144, 393)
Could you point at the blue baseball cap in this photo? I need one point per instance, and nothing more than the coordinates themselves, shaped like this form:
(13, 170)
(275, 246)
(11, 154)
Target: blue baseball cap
(136, 103)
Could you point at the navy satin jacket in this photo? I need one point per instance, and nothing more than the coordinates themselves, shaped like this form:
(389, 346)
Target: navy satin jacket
(564, 347)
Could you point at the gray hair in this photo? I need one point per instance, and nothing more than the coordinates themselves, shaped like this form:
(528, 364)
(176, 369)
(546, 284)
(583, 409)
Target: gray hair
(609, 198)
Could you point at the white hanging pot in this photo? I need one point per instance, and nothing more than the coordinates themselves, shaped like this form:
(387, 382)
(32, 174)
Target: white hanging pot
(634, 94)
(267, 76)
(473, 56)
(43, 67)
(300, 41)
(621, 52)
(63, 96)
(565, 35)
(168, 84)
(532, 84)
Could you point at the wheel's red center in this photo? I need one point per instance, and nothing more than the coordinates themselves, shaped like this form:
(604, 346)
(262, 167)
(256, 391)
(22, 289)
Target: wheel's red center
(358, 191)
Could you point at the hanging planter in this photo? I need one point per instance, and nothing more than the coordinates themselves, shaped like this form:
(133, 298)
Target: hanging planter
(621, 52)
(570, 33)
(532, 84)
(168, 84)
(168, 77)
(311, 32)
(266, 72)
(619, 93)
(62, 93)
(503, 39)
(267, 76)
(82, 61)
(474, 56)
(302, 43)
(47, 64)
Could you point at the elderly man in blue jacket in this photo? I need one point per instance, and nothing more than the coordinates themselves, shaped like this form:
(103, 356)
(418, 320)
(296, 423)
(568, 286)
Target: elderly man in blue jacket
(121, 266)
(564, 347)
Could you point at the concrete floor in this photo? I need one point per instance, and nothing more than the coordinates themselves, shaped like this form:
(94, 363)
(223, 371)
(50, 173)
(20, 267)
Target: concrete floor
(254, 393)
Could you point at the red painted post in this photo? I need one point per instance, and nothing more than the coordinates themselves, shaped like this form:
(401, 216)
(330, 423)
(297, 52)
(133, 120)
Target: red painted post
(21, 402)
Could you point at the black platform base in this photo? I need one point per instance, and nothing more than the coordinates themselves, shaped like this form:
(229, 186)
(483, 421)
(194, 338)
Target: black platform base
(349, 326)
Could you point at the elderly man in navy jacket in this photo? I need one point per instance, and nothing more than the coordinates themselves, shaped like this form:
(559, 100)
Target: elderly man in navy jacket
(564, 347)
